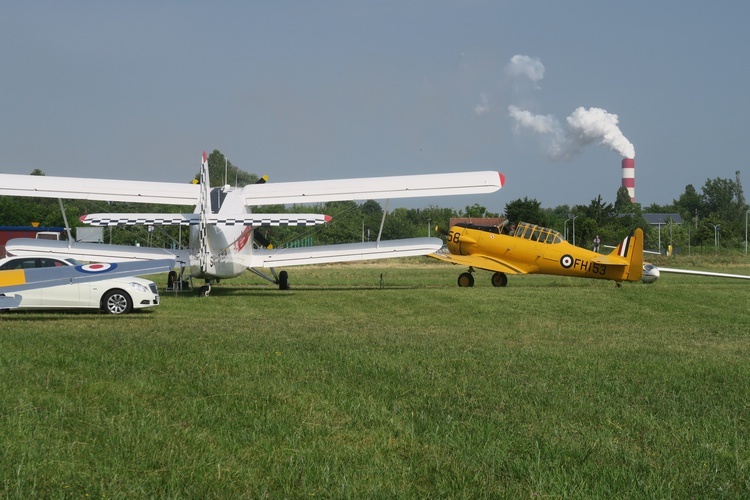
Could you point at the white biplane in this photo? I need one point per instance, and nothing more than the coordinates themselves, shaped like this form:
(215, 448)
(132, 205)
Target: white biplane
(221, 226)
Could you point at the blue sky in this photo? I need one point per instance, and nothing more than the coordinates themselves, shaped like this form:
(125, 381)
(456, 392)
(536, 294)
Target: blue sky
(330, 89)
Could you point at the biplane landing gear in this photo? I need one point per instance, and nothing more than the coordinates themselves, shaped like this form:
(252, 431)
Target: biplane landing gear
(465, 279)
(283, 280)
(204, 290)
(499, 279)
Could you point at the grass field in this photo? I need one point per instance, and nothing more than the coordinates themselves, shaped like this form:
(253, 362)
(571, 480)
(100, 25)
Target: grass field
(338, 388)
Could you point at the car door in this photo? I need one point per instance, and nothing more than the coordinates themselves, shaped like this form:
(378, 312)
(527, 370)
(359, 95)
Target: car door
(62, 296)
(30, 298)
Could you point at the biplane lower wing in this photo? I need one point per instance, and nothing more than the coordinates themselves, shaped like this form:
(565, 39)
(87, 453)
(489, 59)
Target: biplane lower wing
(485, 262)
(92, 252)
(326, 254)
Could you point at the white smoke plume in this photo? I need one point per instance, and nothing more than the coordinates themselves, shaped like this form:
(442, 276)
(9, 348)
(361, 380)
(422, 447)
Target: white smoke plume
(531, 68)
(596, 124)
(584, 127)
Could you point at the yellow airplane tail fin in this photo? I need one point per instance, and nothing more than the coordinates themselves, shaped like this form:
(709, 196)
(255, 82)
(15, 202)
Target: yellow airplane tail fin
(631, 249)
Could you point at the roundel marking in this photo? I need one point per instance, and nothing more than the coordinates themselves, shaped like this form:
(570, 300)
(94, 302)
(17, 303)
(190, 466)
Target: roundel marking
(566, 261)
(96, 268)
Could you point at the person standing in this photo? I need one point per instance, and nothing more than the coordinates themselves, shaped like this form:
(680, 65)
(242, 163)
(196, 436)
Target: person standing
(596, 243)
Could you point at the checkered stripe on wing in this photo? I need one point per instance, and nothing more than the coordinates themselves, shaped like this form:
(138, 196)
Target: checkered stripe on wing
(270, 220)
(135, 220)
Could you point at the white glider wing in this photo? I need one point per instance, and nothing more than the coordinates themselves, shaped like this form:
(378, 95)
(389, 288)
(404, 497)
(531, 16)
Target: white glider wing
(702, 273)
(373, 188)
(77, 188)
(348, 252)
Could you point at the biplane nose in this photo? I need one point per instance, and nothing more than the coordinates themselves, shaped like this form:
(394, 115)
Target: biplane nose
(328, 218)
(502, 179)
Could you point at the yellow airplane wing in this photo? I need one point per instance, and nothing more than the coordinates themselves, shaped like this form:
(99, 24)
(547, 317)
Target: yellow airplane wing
(480, 261)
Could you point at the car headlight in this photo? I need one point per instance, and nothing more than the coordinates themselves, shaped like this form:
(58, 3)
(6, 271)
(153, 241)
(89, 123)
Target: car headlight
(139, 287)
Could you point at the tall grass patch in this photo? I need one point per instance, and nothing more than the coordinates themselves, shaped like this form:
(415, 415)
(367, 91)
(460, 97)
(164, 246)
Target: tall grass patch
(357, 384)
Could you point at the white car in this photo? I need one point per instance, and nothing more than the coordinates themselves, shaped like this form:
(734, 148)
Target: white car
(112, 296)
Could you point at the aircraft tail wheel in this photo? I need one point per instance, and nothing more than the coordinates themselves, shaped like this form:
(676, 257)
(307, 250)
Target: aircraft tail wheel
(499, 279)
(618, 284)
(465, 279)
(283, 280)
(204, 290)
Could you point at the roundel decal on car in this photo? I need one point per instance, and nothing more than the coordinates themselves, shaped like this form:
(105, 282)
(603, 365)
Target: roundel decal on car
(566, 261)
(96, 268)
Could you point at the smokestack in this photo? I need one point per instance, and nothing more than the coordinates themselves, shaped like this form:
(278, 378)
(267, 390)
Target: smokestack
(628, 177)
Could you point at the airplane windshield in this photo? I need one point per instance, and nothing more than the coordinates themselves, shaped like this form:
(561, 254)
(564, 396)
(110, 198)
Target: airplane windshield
(537, 233)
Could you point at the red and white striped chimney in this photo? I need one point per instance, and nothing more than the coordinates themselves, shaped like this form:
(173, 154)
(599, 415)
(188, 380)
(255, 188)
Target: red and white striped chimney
(628, 177)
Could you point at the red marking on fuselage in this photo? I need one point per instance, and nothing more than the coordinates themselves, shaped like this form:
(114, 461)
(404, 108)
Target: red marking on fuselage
(243, 239)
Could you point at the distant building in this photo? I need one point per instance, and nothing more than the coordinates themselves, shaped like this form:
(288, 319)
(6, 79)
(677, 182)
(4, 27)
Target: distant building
(10, 232)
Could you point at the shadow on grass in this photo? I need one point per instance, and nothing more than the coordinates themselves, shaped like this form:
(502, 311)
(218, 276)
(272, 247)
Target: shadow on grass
(10, 316)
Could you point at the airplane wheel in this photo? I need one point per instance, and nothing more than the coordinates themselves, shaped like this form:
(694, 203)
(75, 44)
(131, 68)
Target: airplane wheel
(204, 291)
(465, 279)
(499, 279)
(618, 284)
(283, 280)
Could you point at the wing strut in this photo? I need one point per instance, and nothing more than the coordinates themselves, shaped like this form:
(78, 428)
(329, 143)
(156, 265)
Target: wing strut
(65, 220)
(382, 222)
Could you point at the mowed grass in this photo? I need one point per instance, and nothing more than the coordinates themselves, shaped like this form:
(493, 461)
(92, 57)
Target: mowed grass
(341, 388)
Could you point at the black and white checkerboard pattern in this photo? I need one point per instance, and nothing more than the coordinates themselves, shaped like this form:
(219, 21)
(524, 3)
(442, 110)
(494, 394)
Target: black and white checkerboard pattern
(255, 220)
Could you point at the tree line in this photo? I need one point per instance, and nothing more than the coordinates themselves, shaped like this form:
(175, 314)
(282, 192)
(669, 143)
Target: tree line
(713, 217)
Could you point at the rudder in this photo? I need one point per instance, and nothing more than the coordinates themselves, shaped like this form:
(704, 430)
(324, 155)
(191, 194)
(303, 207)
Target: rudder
(631, 249)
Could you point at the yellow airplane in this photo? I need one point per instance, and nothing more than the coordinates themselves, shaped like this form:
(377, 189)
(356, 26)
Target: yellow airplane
(532, 249)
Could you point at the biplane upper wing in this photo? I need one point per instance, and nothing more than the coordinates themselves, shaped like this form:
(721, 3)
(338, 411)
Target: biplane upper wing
(79, 188)
(486, 262)
(173, 193)
(401, 186)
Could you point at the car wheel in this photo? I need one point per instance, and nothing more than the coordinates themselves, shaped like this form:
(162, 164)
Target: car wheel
(117, 302)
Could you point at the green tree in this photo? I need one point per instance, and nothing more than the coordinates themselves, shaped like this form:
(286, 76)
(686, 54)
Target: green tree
(221, 172)
(689, 204)
(477, 211)
(622, 199)
(525, 210)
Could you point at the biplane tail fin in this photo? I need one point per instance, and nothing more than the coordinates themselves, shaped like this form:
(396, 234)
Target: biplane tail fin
(631, 249)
